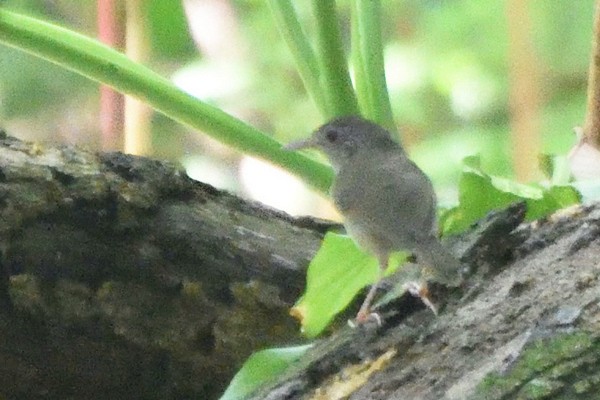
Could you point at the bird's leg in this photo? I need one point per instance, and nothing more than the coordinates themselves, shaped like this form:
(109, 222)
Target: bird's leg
(364, 314)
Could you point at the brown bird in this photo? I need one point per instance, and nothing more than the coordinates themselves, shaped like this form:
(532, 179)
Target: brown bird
(387, 202)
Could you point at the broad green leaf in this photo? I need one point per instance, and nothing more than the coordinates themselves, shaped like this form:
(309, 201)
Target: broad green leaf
(335, 276)
(260, 368)
(480, 193)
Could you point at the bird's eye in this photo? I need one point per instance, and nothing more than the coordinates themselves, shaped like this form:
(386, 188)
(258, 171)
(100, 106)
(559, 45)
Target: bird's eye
(331, 135)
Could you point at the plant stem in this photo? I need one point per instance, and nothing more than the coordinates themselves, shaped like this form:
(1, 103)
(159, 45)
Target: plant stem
(138, 116)
(304, 56)
(525, 91)
(370, 68)
(591, 128)
(333, 61)
(358, 67)
(103, 64)
(112, 103)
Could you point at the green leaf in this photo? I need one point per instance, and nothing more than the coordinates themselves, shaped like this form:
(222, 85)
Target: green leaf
(335, 276)
(555, 198)
(260, 368)
(480, 193)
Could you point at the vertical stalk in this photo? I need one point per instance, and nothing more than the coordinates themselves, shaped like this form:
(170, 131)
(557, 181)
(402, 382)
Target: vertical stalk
(524, 92)
(303, 54)
(112, 103)
(371, 69)
(591, 128)
(138, 137)
(358, 67)
(333, 62)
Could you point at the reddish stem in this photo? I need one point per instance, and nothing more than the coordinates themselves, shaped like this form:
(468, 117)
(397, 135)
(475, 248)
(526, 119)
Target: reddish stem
(112, 103)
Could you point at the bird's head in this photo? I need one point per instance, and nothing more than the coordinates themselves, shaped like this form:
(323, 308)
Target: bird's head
(344, 138)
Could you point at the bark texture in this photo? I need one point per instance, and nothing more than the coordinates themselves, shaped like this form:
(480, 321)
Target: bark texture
(526, 325)
(122, 278)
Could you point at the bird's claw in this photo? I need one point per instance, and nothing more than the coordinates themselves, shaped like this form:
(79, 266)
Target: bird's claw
(421, 291)
(364, 318)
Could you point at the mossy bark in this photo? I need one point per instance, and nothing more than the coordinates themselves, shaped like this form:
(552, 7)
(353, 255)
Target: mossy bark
(122, 278)
(525, 326)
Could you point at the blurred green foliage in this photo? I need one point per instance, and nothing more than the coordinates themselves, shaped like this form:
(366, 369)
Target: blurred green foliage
(29, 86)
(480, 192)
(262, 367)
(446, 67)
(169, 34)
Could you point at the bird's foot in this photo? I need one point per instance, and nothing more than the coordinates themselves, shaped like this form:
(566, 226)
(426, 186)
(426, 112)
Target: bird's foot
(421, 291)
(364, 317)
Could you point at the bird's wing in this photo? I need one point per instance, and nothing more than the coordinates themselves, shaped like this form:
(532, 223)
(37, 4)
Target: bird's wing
(399, 206)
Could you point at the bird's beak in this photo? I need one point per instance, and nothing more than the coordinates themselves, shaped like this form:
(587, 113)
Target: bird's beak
(301, 144)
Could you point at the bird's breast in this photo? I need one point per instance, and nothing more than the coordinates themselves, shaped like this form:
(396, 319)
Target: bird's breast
(366, 239)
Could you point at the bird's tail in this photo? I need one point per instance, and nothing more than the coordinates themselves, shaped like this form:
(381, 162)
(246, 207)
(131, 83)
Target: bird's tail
(438, 263)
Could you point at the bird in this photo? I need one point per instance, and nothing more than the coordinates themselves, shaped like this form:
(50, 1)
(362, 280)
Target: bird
(387, 202)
